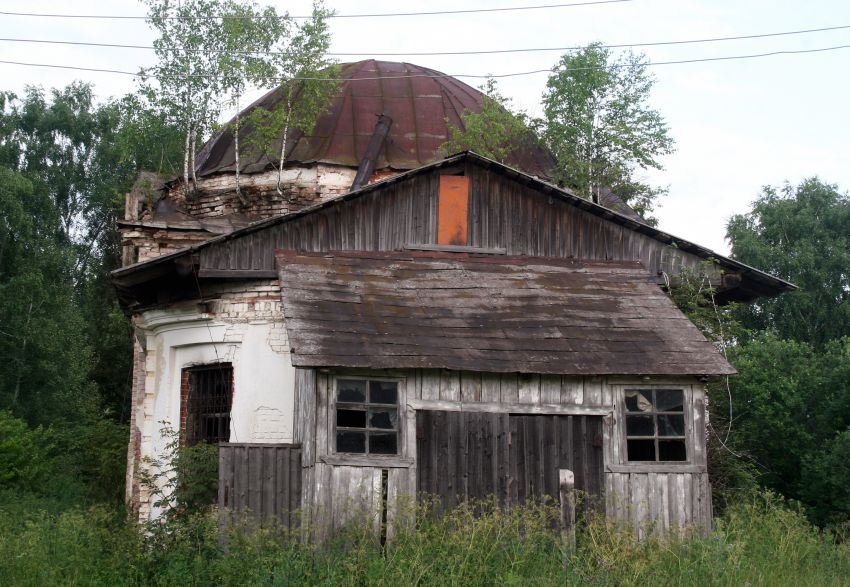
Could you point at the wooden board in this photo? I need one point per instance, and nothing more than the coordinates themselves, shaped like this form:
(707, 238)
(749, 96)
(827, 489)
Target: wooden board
(516, 458)
(260, 481)
(498, 314)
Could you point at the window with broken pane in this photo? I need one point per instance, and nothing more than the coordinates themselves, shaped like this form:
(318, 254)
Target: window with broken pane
(367, 416)
(655, 425)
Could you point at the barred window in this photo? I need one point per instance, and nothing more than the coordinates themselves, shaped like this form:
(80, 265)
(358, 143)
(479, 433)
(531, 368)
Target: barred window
(366, 416)
(208, 397)
(655, 425)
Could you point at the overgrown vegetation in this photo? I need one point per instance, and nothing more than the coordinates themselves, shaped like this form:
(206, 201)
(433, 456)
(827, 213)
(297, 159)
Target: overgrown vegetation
(496, 131)
(597, 122)
(65, 163)
(784, 421)
(760, 541)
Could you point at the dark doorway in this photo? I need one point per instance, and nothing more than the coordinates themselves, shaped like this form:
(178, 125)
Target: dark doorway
(514, 457)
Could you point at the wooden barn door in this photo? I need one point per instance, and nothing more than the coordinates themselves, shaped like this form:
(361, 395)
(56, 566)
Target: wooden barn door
(515, 457)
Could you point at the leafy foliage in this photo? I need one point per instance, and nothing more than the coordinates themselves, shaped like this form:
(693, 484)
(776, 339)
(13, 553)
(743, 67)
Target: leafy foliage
(210, 51)
(598, 123)
(801, 234)
(792, 411)
(182, 480)
(495, 132)
(306, 84)
(761, 541)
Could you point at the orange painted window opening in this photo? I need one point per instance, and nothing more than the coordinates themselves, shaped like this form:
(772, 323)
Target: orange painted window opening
(453, 210)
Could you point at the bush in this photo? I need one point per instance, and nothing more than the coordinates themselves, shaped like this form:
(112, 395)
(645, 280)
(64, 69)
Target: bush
(26, 455)
(762, 540)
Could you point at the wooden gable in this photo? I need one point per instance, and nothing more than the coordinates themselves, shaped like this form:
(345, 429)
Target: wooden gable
(508, 211)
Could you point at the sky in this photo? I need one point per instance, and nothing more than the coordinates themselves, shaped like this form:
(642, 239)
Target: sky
(738, 124)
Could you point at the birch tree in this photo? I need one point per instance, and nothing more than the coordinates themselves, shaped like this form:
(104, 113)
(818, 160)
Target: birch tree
(299, 63)
(250, 34)
(211, 51)
(187, 77)
(600, 127)
(495, 132)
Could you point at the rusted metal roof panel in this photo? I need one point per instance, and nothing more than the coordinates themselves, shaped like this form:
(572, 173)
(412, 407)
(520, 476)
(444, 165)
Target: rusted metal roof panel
(486, 313)
(419, 107)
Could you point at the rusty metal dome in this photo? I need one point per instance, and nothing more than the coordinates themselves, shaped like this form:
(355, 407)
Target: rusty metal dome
(418, 99)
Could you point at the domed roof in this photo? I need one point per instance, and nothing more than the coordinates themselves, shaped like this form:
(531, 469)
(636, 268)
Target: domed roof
(418, 99)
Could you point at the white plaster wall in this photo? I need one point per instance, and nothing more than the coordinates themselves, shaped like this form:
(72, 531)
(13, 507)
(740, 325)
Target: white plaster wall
(263, 391)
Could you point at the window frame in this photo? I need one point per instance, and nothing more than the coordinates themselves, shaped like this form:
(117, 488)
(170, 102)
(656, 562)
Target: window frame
(186, 401)
(333, 404)
(688, 413)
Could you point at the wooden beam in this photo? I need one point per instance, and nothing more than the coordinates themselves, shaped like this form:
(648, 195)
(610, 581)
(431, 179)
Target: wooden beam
(457, 249)
(376, 461)
(373, 149)
(237, 274)
(567, 482)
(511, 408)
(656, 468)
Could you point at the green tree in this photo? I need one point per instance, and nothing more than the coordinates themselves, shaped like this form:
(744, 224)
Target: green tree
(600, 127)
(801, 234)
(42, 343)
(495, 132)
(186, 82)
(791, 410)
(306, 80)
(249, 36)
(66, 164)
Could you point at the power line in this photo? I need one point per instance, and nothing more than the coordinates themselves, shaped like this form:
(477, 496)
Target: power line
(459, 75)
(476, 52)
(372, 15)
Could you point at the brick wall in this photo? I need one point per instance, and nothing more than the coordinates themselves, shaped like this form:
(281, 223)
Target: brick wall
(216, 197)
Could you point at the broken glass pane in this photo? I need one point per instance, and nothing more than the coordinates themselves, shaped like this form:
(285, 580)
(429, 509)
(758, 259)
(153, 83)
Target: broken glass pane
(351, 390)
(383, 419)
(639, 400)
(641, 450)
(351, 418)
(670, 400)
(672, 450)
(640, 425)
(351, 442)
(671, 425)
(383, 392)
(383, 443)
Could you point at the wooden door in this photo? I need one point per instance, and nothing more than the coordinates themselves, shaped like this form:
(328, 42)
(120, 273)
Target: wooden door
(514, 457)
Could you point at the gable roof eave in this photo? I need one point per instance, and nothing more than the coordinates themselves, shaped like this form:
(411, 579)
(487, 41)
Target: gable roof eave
(768, 285)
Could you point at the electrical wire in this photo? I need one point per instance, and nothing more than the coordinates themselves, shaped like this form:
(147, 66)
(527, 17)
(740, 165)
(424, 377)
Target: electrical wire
(436, 53)
(457, 75)
(371, 15)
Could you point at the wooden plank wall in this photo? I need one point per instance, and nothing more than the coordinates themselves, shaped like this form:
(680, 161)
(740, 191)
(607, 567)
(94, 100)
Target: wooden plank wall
(512, 457)
(507, 388)
(503, 214)
(659, 502)
(262, 481)
(649, 498)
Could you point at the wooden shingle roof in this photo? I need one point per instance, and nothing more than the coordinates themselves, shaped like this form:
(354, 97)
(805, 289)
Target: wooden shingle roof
(486, 313)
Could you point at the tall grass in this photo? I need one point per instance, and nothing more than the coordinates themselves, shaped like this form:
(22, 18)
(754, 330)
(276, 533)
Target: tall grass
(760, 541)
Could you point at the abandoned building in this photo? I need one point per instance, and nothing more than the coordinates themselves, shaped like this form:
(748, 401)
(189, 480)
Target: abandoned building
(398, 323)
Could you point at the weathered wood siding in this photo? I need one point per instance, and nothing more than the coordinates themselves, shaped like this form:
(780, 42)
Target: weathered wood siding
(503, 213)
(262, 481)
(512, 457)
(659, 502)
(648, 496)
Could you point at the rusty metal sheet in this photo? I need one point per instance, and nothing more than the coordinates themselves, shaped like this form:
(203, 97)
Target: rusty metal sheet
(453, 210)
(486, 313)
(419, 107)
